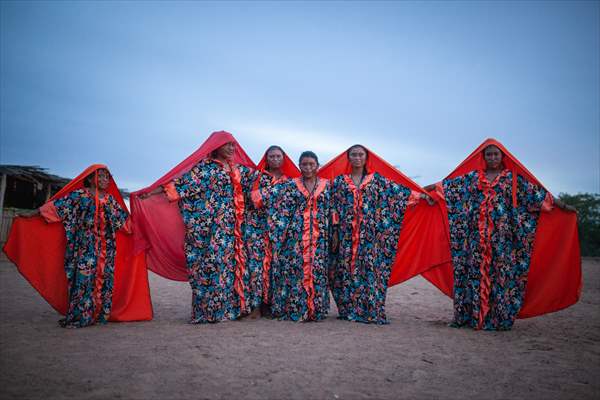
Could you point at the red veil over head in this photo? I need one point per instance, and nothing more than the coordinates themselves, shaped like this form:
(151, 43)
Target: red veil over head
(554, 279)
(157, 223)
(38, 251)
(288, 167)
(423, 242)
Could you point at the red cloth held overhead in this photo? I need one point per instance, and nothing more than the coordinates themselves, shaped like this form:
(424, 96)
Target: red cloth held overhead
(423, 242)
(157, 223)
(38, 251)
(554, 279)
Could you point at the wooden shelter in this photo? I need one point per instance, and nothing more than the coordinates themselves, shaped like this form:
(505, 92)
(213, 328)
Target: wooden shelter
(24, 187)
(27, 187)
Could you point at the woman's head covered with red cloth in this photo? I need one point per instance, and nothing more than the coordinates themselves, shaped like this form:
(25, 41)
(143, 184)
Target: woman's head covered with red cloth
(206, 149)
(288, 168)
(341, 165)
(476, 161)
(90, 175)
(157, 223)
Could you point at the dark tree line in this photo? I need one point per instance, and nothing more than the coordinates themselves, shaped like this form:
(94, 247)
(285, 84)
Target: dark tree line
(588, 220)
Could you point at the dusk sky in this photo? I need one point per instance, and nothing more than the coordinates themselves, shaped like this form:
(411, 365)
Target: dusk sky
(140, 85)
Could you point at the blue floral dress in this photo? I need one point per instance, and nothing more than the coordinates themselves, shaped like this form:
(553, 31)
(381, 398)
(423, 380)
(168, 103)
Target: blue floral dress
(257, 238)
(491, 243)
(89, 255)
(370, 219)
(212, 203)
(300, 233)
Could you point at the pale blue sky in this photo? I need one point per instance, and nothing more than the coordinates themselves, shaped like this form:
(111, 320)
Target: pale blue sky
(140, 85)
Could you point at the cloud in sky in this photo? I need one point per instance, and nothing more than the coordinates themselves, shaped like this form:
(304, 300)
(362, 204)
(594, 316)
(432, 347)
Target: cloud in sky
(140, 85)
(420, 163)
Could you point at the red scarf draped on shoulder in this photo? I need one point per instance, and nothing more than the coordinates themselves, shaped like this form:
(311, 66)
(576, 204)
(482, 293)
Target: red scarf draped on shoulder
(38, 251)
(423, 242)
(554, 279)
(157, 223)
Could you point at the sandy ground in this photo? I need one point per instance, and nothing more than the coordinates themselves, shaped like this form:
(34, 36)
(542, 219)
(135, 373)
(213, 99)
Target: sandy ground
(417, 356)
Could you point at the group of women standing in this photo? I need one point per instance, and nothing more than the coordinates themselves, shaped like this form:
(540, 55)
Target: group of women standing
(275, 239)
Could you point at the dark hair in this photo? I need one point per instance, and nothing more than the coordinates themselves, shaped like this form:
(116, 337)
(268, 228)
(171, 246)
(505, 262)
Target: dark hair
(274, 147)
(87, 181)
(355, 146)
(365, 172)
(308, 154)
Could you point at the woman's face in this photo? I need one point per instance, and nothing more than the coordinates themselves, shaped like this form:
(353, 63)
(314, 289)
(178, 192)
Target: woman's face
(103, 179)
(274, 159)
(493, 157)
(308, 167)
(226, 151)
(357, 157)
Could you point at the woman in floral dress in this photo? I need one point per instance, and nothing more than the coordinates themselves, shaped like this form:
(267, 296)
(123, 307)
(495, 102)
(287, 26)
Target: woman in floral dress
(276, 167)
(493, 215)
(212, 200)
(300, 213)
(369, 210)
(91, 217)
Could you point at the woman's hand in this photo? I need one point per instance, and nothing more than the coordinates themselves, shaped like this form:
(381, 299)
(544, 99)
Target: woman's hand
(561, 204)
(28, 214)
(570, 208)
(157, 190)
(427, 198)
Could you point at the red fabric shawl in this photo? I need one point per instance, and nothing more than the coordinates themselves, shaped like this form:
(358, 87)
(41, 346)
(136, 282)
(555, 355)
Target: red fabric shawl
(288, 167)
(157, 224)
(423, 242)
(554, 279)
(38, 251)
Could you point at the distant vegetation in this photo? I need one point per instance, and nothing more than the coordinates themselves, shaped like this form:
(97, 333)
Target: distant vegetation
(588, 221)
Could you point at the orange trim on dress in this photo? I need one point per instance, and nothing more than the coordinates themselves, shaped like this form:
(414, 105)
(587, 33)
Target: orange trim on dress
(49, 213)
(357, 194)
(335, 218)
(268, 249)
(548, 203)
(256, 195)
(310, 235)
(266, 270)
(240, 254)
(486, 226)
(414, 198)
(99, 276)
(126, 228)
(171, 191)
